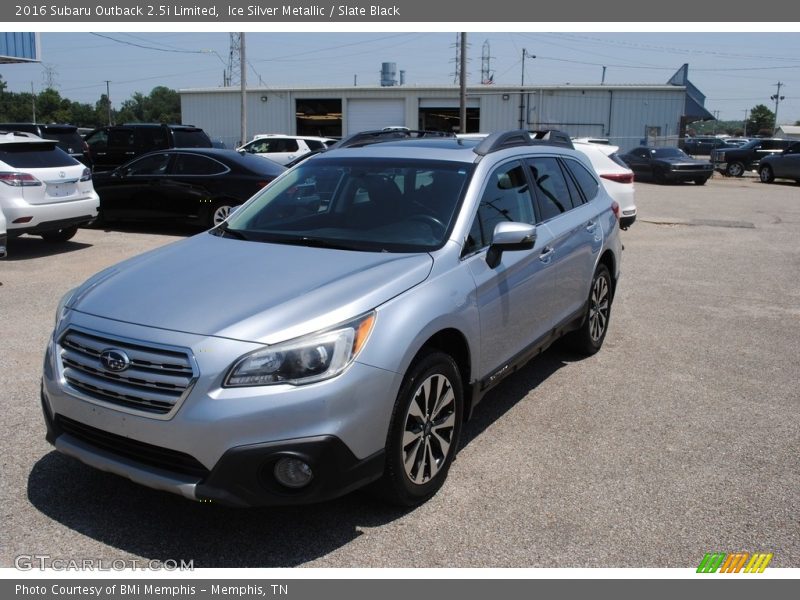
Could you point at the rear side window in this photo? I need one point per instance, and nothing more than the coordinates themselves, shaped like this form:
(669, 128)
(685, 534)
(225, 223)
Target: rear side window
(191, 138)
(314, 144)
(121, 138)
(98, 141)
(154, 164)
(552, 192)
(154, 138)
(193, 164)
(35, 156)
(586, 181)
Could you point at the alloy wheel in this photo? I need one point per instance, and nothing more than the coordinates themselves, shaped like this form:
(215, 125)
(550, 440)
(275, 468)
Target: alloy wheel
(429, 429)
(598, 308)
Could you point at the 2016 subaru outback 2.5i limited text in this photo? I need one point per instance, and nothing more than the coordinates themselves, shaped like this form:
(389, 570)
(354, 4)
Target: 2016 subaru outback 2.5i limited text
(340, 326)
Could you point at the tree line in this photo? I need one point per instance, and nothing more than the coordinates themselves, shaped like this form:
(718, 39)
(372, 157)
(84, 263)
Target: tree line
(760, 122)
(161, 105)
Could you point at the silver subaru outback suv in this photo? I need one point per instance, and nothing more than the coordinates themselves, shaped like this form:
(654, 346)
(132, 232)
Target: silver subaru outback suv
(339, 328)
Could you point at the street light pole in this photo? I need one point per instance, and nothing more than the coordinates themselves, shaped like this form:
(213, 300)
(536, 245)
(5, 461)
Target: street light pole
(777, 97)
(522, 119)
(108, 100)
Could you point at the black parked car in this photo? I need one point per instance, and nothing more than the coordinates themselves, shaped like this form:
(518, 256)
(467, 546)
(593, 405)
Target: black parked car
(663, 165)
(114, 145)
(199, 185)
(704, 145)
(66, 137)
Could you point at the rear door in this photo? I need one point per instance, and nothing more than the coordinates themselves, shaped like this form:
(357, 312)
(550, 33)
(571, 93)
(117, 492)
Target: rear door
(577, 234)
(788, 164)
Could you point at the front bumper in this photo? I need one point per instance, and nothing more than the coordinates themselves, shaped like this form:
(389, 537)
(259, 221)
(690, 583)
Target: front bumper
(688, 175)
(221, 444)
(243, 477)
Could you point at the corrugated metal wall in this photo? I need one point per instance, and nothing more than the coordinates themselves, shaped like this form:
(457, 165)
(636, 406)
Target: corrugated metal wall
(618, 113)
(19, 46)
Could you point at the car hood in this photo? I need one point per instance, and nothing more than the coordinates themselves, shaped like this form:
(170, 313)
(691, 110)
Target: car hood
(259, 292)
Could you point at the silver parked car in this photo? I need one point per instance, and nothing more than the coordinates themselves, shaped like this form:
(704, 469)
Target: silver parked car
(785, 165)
(340, 326)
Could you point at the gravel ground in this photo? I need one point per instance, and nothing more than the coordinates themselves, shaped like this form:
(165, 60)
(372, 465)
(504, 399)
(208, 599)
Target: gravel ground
(679, 438)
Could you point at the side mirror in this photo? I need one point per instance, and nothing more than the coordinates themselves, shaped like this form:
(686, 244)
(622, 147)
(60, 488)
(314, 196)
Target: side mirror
(509, 236)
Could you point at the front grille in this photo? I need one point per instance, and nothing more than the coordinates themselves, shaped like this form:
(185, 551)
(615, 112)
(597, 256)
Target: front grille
(148, 454)
(154, 382)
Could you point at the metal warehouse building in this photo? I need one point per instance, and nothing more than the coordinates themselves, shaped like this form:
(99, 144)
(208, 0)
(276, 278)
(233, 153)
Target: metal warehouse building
(625, 114)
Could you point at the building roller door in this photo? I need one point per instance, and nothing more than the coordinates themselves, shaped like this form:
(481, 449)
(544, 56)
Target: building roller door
(365, 113)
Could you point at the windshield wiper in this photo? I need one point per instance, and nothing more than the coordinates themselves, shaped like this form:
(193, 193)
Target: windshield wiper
(222, 230)
(314, 242)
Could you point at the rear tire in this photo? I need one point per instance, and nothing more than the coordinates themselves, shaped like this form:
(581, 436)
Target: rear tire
(424, 430)
(59, 235)
(589, 338)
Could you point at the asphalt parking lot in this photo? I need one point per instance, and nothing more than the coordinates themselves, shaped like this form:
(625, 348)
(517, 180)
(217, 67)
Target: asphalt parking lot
(681, 437)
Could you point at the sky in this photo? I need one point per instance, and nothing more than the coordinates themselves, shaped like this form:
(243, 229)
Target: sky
(735, 70)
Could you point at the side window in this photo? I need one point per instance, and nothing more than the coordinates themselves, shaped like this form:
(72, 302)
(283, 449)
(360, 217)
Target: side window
(506, 198)
(155, 164)
(193, 164)
(153, 138)
(314, 145)
(98, 141)
(586, 181)
(122, 139)
(552, 193)
(286, 146)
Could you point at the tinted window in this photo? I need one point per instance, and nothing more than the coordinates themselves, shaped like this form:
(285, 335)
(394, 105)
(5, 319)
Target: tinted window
(154, 164)
(552, 193)
(98, 141)
(506, 198)
(121, 138)
(194, 164)
(33, 156)
(69, 141)
(586, 181)
(668, 153)
(314, 144)
(153, 138)
(191, 138)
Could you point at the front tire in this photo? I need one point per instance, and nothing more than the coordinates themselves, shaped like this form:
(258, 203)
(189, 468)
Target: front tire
(589, 338)
(59, 235)
(700, 180)
(424, 430)
(766, 175)
(735, 169)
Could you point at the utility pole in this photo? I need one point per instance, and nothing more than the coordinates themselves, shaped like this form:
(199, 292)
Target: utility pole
(108, 100)
(33, 103)
(522, 89)
(746, 118)
(462, 77)
(777, 97)
(603, 79)
(243, 70)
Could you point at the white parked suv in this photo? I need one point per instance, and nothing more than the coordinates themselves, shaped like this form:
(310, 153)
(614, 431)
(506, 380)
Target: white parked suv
(617, 178)
(43, 190)
(284, 148)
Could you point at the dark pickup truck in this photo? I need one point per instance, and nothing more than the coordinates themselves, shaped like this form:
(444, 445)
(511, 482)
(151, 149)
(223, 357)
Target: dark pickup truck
(736, 161)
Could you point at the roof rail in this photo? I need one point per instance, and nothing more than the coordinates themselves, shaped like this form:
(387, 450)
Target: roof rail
(365, 138)
(501, 140)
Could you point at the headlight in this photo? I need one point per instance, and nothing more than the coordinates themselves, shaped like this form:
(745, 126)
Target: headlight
(307, 359)
(62, 305)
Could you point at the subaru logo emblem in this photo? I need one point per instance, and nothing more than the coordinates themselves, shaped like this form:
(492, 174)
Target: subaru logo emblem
(114, 360)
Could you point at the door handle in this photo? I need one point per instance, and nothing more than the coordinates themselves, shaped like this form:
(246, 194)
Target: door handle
(547, 254)
(591, 226)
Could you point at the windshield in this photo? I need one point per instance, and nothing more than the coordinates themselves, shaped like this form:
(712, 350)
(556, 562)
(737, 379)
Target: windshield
(380, 205)
(669, 153)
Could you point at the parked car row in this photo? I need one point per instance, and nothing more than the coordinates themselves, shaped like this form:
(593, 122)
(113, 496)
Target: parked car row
(667, 165)
(735, 162)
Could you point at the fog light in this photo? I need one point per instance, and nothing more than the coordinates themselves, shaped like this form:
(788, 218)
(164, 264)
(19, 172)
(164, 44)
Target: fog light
(293, 473)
